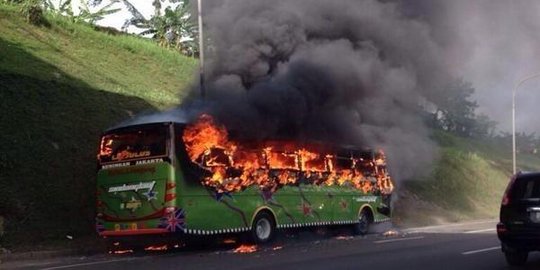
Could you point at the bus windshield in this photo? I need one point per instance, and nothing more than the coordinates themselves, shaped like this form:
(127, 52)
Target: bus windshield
(133, 144)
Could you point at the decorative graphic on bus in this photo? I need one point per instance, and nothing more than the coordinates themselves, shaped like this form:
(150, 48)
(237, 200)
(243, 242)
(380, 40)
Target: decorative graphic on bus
(174, 221)
(135, 187)
(126, 154)
(270, 165)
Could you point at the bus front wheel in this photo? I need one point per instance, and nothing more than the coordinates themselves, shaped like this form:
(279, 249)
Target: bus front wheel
(263, 228)
(364, 221)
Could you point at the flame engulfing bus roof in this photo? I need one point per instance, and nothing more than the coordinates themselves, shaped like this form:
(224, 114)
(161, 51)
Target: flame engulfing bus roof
(234, 166)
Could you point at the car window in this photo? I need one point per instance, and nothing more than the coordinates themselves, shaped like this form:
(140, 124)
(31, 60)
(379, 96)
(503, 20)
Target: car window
(527, 188)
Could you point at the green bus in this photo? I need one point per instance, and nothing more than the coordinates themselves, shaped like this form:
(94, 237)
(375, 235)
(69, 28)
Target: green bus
(153, 181)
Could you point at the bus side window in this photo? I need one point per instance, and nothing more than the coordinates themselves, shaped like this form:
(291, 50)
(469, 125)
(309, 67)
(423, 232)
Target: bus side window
(344, 163)
(192, 173)
(315, 164)
(281, 160)
(365, 167)
(215, 157)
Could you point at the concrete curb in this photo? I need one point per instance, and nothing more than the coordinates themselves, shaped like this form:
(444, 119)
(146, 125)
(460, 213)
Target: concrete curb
(48, 254)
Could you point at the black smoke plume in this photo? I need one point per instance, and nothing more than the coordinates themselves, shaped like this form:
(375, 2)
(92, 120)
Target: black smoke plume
(345, 71)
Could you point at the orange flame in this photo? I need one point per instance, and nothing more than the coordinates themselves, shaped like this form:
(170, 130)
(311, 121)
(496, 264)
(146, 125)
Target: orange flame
(246, 249)
(390, 233)
(229, 241)
(203, 136)
(270, 164)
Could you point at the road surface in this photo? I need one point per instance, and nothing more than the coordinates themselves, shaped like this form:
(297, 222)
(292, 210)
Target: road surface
(472, 245)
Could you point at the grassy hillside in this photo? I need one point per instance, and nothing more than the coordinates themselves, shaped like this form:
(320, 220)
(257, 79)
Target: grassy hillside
(60, 86)
(467, 182)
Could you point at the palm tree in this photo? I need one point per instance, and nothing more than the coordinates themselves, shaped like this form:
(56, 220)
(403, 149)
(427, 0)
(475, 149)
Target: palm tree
(65, 8)
(172, 29)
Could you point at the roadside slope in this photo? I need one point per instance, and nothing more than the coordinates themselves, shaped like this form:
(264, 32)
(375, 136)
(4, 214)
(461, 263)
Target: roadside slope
(60, 86)
(467, 182)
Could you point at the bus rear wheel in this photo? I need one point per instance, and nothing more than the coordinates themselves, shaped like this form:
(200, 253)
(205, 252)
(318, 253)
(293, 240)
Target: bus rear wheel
(263, 228)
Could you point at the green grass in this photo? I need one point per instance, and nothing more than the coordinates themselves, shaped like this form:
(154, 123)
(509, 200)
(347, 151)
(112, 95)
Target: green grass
(467, 182)
(60, 87)
(124, 64)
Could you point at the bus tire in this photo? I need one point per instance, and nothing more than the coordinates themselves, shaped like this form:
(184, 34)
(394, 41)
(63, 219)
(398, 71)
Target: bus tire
(365, 218)
(263, 228)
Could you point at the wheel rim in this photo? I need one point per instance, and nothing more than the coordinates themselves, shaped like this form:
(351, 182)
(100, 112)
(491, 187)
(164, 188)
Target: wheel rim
(263, 228)
(362, 222)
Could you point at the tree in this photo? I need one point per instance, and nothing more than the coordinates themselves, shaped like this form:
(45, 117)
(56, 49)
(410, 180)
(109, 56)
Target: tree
(173, 28)
(456, 110)
(89, 16)
(33, 12)
(484, 127)
(85, 14)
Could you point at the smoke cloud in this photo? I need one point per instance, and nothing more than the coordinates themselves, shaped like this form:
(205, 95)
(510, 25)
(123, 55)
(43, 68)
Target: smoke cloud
(346, 71)
(494, 44)
(359, 72)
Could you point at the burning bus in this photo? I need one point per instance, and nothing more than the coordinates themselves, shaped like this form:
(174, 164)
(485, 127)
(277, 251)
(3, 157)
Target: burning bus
(176, 179)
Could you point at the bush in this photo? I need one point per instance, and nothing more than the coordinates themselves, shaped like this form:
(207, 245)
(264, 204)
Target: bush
(34, 14)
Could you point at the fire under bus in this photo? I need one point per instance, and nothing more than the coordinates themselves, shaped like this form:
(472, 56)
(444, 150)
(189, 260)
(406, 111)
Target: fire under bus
(174, 179)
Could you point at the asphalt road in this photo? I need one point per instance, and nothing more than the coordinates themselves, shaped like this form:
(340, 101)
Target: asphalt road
(459, 246)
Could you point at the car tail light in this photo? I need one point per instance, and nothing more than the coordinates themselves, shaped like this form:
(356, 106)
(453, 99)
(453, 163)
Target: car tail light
(501, 228)
(506, 196)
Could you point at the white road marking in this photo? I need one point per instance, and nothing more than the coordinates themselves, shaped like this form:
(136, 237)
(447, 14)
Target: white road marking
(480, 250)
(89, 263)
(481, 231)
(447, 227)
(397, 240)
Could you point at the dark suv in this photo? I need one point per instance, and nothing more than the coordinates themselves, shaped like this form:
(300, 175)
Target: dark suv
(519, 226)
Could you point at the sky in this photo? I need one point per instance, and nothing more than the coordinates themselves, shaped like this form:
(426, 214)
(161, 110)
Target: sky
(117, 20)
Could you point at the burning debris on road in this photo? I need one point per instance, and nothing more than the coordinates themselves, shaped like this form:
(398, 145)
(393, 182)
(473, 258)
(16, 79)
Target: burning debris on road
(272, 164)
(246, 249)
(390, 233)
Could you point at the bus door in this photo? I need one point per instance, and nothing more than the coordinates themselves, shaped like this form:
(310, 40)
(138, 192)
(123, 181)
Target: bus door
(343, 186)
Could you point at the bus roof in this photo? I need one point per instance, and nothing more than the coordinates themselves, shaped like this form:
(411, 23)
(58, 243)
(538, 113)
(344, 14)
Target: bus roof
(324, 144)
(136, 126)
